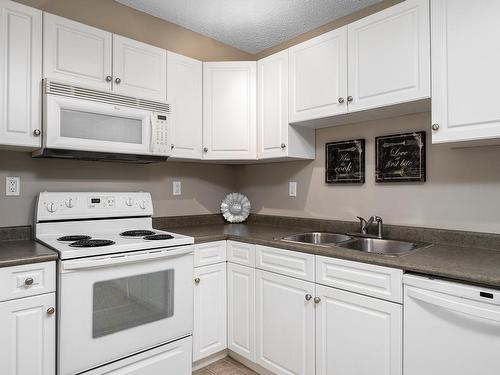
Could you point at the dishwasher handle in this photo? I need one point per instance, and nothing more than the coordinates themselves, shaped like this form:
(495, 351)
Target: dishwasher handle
(452, 303)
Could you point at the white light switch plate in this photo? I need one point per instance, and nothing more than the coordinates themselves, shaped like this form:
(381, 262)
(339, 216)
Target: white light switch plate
(12, 186)
(176, 188)
(292, 189)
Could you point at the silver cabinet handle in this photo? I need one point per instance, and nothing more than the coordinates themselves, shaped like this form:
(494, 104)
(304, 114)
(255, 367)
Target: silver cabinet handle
(308, 297)
(172, 147)
(51, 311)
(435, 127)
(340, 100)
(29, 281)
(205, 149)
(317, 300)
(118, 81)
(350, 98)
(197, 280)
(37, 132)
(109, 78)
(283, 146)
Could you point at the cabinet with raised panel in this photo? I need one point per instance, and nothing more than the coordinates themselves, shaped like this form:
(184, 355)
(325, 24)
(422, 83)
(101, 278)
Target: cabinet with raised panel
(21, 74)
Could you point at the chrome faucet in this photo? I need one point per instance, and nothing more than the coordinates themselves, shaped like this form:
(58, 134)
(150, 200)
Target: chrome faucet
(364, 225)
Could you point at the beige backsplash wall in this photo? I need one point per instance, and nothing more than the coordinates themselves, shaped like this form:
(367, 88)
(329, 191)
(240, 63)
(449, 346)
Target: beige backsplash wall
(462, 191)
(203, 185)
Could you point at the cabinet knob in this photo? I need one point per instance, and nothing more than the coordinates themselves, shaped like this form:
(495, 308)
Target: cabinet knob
(118, 81)
(283, 146)
(51, 311)
(197, 280)
(37, 132)
(350, 98)
(340, 100)
(435, 127)
(308, 297)
(109, 78)
(29, 281)
(172, 147)
(317, 300)
(205, 149)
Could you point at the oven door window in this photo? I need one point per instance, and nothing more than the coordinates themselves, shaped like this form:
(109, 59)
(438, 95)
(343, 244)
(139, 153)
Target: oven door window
(129, 302)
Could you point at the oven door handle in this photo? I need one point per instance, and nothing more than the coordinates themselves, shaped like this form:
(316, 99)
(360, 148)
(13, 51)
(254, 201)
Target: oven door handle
(112, 260)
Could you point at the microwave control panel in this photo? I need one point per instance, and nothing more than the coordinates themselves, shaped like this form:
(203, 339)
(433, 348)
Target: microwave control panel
(159, 134)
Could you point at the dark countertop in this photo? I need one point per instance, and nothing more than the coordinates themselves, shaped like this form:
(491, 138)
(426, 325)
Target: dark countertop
(474, 265)
(14, 253)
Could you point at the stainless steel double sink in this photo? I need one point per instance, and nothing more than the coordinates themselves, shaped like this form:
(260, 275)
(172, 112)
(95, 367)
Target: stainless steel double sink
(369, 245)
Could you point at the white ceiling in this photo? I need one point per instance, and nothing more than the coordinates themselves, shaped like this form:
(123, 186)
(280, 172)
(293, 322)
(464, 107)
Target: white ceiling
(250, 25)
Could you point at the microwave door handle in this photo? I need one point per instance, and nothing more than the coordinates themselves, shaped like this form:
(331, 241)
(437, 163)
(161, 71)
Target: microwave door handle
(440, 300)
(125, 259)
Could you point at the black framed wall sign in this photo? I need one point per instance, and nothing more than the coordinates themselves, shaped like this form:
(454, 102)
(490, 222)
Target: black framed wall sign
(345, 162)
(400, 158)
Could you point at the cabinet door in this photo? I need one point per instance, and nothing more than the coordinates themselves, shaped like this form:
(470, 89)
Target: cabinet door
(184, 93)
(389, 56)
(318, 76)
(76, 53)
(350, 327)
(229, 110)
(21, 74)
(284, 324)
(272, 106)
(28, 336)
(139, 69)
(241, 310)
(210, 330)
(465, 74)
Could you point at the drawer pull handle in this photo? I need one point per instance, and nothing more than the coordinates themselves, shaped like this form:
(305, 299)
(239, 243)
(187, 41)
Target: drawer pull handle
(29, 281)
(51, 311)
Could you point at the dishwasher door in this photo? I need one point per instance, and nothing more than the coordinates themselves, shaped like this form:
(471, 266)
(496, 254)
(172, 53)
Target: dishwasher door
(450, 328)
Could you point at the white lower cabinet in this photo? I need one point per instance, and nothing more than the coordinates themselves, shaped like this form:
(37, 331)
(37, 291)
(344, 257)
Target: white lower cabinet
(210, 326)
(356, 334)
(284, 324)
(241, 310)
(28, 335)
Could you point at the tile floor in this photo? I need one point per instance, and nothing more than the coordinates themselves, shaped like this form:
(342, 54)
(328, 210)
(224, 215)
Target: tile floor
(225, 366)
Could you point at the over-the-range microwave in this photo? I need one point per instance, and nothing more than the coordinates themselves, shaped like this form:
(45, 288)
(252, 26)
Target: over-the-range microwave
(82, 123)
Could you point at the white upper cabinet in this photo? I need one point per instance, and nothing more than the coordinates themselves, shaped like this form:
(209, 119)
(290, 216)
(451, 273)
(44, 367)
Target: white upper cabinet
(21, 74)
(275, 137)
(229, 110)
(139, 69)
(76, 53)
(389, 56)
(465, 70)
(184, 93)
(318, 77)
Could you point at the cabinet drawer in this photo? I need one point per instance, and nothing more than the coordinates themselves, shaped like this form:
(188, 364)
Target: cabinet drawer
(27, 280)
(285, 262)
(376, 281)
(209, 253)
(241, 253)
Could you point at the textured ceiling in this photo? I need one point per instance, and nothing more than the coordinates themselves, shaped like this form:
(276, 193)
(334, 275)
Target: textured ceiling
(250, 25)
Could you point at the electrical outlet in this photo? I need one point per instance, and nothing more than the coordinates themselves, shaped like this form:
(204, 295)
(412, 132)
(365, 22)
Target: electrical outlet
(12, 186)
(176, 188)
(292, 189)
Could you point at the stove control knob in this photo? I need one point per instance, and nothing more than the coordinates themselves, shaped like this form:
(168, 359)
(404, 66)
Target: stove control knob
(129, 202)
(51, 207)
(70, 203)
(142, 205)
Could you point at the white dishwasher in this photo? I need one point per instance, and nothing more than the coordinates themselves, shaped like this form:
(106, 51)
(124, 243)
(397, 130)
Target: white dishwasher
(450, 328)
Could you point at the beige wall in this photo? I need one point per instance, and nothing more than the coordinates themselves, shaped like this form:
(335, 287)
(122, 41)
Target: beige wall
(203, 185)
(462, 190)
(120, 19)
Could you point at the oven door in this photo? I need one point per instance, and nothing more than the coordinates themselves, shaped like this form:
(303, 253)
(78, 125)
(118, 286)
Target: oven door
(114, 306)
(86, 125)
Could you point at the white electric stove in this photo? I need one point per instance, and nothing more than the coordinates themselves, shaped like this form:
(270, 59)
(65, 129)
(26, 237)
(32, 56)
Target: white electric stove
(125, 291)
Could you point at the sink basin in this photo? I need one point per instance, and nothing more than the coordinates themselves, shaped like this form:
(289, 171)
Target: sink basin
(318, 238)
(380, 246)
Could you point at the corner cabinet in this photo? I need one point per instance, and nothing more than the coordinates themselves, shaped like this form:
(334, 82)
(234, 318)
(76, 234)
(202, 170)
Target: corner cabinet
(275, 137)
(21, 75)
(184, 93)
(229, 110)
(465, 61)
